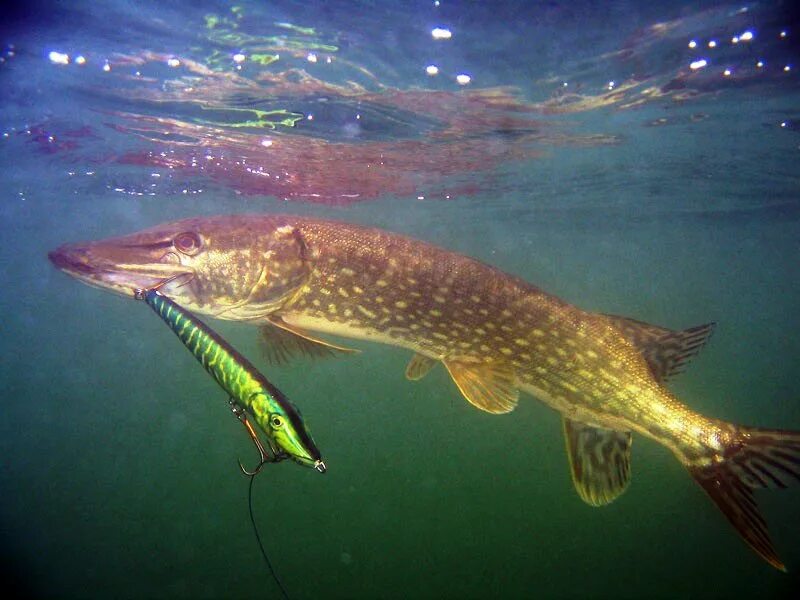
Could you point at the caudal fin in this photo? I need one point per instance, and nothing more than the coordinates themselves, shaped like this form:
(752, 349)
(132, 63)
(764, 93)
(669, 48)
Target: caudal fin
(755, 458)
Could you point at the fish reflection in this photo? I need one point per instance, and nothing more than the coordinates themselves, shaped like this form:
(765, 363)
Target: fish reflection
(350, 145)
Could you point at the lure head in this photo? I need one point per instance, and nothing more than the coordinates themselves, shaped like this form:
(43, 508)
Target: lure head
(233, 267)
(285, 429)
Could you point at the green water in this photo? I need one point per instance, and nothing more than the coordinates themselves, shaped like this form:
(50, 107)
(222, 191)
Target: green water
(118, 475)
(121, 453)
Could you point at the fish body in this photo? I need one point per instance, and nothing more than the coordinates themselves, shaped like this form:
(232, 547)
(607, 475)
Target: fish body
(496, 335)
(243, 383)
(376, 286)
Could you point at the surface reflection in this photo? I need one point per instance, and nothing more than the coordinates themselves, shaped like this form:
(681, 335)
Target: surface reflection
(339, 133)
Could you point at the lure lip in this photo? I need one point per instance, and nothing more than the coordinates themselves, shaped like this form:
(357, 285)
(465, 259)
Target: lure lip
(318, 464)
(280, 453)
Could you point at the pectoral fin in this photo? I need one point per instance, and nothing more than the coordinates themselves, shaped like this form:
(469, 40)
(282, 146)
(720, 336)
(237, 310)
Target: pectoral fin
(490, 387)
(282, 342)
(600, 461)
(418, 367)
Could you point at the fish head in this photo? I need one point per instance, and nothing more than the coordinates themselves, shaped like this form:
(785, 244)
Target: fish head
(286, 430)
(231, 267)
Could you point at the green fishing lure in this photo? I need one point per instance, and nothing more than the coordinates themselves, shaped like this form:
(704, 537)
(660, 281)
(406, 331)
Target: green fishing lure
(247, 388)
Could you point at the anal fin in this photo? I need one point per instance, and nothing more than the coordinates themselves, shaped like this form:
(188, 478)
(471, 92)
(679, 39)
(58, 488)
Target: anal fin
(600, 461)
(488, 386)
(282, 342)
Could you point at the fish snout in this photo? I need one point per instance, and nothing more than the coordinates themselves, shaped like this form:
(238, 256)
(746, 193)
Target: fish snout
(71, 258)
(320, 466)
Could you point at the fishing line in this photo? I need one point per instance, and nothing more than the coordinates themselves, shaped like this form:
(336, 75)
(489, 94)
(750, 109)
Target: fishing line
(258, 539)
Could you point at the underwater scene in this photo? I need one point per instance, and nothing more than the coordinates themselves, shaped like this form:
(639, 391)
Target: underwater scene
(481, 299)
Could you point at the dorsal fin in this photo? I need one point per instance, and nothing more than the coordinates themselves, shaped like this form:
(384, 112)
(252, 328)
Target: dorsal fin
(489, 386)
(600, 461)
(282, 342)
(666, 351)
(418, 367)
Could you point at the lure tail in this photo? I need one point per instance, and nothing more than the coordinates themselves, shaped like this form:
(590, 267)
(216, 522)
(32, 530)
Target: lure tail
(755, 458)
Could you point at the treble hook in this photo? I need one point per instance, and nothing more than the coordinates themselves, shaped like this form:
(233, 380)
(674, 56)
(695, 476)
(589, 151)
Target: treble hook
(240, 414)
(139, 293)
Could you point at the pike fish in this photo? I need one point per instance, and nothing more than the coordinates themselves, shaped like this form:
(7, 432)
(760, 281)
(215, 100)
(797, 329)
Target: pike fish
(496, 335)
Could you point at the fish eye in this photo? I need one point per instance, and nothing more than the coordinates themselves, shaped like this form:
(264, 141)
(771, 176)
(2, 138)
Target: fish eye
(187, 243)
(276, 421)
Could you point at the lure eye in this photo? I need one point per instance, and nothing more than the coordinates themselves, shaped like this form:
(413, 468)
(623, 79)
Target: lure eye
(276, 421)
(187, 243)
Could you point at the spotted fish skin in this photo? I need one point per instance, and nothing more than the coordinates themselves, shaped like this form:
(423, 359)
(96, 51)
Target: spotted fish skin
(370, 284)
(496, 334)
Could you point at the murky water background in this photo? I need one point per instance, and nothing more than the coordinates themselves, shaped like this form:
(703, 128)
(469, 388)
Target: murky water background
(643, 187)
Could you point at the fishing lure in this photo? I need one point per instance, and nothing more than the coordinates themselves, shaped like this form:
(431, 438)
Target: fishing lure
(248, 389)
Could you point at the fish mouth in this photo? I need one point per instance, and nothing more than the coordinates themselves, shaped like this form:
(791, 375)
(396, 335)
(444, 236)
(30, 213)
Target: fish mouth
(119, 268)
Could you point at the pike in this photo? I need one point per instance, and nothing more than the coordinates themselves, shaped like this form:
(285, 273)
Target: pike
(495, 334)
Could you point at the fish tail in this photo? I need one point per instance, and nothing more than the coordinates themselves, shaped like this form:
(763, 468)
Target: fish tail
(752, 458)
